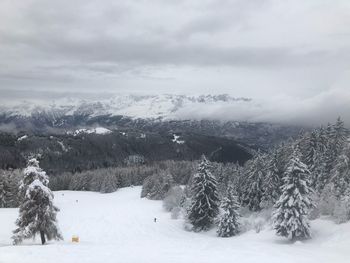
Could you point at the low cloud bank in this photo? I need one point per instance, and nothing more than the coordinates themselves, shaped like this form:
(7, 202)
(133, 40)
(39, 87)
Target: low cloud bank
(312, 111)
(317, 110)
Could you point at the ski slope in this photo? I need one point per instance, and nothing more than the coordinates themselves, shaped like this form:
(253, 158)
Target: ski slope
(120, 227)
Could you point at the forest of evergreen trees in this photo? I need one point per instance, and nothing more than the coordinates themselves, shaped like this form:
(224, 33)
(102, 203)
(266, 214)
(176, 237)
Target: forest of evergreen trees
(295, 182)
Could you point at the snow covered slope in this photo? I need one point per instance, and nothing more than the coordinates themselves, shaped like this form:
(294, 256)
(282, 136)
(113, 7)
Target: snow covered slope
(119, 227)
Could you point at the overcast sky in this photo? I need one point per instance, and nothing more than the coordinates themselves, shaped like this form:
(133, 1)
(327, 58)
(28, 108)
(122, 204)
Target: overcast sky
(282, 51)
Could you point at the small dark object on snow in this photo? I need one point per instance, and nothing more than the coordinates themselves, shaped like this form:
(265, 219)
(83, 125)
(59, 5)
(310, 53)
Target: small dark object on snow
(155, 220)
(76, 200)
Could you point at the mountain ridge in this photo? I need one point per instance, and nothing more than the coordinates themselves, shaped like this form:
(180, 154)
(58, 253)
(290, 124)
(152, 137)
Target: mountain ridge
(164, 106)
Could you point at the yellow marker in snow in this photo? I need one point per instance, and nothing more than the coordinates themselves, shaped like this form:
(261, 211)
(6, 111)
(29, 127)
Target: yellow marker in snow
(75, 239)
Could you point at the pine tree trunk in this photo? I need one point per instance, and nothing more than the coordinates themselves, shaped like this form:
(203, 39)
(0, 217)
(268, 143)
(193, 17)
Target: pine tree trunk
(42, 235)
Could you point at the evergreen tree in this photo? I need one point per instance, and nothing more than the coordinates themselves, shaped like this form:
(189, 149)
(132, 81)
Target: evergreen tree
(315, 159)
(311, 151)
(292, 208)
(228, 223)
(2, 191)
(329, 156)
(327, 200)
(273, 179)
(342, 208)
(340, 135)
(111, 182)
(238, 181)
(37, 214)
(157, 186)
(8, 191)
(31, 173)
(204, 201)
(341, 172)
(302, 143)
(253, 187)
(336, 137)
(222, 177)
(322, 138)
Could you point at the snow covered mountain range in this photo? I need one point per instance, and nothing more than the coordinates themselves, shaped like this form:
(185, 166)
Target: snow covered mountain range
(166, 106)
(169, 127)
(209, 115)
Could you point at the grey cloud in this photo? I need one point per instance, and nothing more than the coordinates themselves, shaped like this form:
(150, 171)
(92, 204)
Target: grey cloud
(258, 48)
(68, 35)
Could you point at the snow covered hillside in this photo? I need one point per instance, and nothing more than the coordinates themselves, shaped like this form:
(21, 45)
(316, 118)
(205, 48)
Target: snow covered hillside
(120, 227)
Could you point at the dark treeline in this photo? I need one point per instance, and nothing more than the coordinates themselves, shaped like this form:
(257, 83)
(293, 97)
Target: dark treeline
(76, 153)
(261, 135)
(108, 180)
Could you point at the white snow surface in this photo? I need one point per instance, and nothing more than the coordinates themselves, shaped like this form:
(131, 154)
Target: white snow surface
(97, 130)
(176, 139)
(22, 138)
(120, 227)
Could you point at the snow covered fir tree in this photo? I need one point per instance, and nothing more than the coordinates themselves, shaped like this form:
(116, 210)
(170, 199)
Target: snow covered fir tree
(4, 191)
(294, 204)
(272, 181)
(340, 174)
(253, 185)
(8, 190)
(228, 222)
(37, 214)
(205, 201)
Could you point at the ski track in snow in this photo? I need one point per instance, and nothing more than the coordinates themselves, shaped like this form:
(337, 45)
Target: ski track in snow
(119, 227)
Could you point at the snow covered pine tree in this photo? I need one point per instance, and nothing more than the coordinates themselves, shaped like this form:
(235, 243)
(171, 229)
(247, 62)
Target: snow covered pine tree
(37, 214)
(290, 216)
(228, 224)
(253, 186)
(8, 190)
(205, 201)
(3, 191)
(272, 179)
(340, 174)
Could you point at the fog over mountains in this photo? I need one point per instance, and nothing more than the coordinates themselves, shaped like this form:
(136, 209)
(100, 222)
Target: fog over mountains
(165, 106)
(314, 111)
(220, 116)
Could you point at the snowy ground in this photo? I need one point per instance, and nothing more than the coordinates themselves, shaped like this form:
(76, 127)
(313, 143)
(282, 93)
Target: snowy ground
(119, 227)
